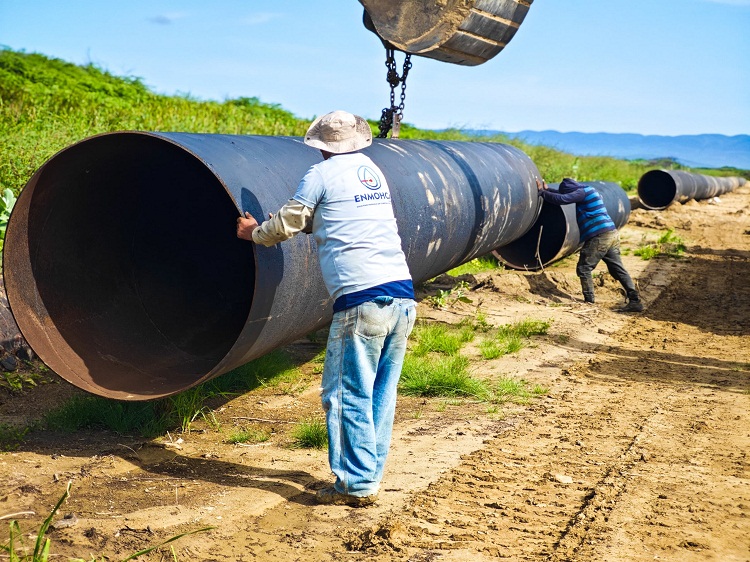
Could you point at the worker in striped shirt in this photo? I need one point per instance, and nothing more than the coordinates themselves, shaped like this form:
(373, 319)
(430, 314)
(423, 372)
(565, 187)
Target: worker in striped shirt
(599, 236)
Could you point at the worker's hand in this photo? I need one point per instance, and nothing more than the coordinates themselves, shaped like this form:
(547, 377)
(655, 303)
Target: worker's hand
(541, 185)
(245, 226)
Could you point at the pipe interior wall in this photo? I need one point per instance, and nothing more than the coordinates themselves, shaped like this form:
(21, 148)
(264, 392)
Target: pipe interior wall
(124, 273)
(133, 276)
(541, 245)
(657, 189)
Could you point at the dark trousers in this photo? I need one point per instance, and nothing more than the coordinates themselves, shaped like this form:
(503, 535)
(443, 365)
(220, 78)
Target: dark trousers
(605, 246)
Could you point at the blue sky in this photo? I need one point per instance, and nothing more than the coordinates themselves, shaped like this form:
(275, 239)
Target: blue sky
(663, 67)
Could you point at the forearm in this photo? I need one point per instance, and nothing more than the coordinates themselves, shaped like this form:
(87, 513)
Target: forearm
(291, 219)
(560, 198)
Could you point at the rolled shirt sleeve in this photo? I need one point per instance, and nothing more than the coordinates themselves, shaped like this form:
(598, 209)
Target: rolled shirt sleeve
(294, 217)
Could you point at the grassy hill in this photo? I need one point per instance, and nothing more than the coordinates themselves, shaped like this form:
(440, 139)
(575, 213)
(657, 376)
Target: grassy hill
(47, 104)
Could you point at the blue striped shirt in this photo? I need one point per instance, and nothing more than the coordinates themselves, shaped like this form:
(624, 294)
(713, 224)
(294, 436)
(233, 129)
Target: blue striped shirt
(591, 214)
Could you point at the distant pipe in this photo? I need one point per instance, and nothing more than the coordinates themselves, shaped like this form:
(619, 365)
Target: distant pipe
(556, 234)
(658, 189)
(125, 275)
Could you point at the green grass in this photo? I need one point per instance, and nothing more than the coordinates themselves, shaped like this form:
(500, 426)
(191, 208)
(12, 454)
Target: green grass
(525, 328)
(275, 370)
(668, 245)
(510, 388)
(86, 411)
(516, 391)
(510, 338)
(477, 265)
(41, 552)
(439, 338)
(18, 381)
(440, 376)
(310, 434)
(478, 323)
(499, 346)
(671, 243)
(447, 298)
(647, 252)
(449, 378)
(318, 361)
(29, 375)
(49, 104)
(12, 436)
(248, 436)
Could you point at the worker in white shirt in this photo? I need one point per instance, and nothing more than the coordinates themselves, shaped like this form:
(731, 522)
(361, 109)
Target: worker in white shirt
(346, 203)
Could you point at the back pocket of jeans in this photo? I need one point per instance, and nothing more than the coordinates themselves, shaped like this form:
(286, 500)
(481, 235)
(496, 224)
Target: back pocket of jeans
(373, 320)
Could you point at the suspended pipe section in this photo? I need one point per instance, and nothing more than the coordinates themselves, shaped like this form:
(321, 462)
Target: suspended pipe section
(124, 273)
(465, 32)
(555, 233)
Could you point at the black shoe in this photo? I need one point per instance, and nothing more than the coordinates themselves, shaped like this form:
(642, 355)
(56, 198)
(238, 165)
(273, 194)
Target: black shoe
(632, 306)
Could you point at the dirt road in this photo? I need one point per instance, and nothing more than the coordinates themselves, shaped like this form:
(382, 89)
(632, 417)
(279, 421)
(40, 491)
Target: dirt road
(639, 450)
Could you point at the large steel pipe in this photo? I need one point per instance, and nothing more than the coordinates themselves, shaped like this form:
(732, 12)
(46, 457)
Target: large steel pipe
(658, 189)
(124, 273)
(555, 234)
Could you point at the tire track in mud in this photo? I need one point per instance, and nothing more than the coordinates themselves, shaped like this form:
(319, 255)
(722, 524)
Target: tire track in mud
(690, 499)
(538, 492)
(595, 511)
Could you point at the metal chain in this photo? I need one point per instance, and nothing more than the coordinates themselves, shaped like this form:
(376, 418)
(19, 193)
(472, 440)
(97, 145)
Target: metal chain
(391, 116)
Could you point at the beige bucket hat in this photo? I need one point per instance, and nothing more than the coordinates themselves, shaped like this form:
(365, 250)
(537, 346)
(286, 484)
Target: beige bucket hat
(339, 132)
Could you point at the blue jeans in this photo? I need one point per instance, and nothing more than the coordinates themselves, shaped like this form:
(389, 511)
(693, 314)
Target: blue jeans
(366, 348)
(606, 247)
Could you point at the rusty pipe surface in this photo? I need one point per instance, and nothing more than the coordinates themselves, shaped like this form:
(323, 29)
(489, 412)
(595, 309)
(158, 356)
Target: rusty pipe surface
(658, 189)
(124, 273)
(555, 234)
(465, 32)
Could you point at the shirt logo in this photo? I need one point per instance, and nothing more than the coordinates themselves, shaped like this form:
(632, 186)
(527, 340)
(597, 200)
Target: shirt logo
(368, 177)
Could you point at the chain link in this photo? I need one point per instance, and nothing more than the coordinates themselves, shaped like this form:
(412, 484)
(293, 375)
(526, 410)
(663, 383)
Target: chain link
(394, 113)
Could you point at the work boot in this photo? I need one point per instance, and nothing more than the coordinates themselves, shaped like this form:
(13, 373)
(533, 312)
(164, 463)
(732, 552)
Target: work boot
(632, 306)
(331, 496)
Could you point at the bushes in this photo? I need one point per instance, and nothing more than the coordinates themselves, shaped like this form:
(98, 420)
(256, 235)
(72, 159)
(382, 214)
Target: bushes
(47, 104)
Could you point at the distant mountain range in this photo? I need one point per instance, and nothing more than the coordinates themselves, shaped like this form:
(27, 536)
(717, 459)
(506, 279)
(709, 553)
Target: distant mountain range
(695, 151)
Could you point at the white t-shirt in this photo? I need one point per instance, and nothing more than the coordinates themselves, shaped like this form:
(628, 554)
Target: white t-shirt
(353, 224)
